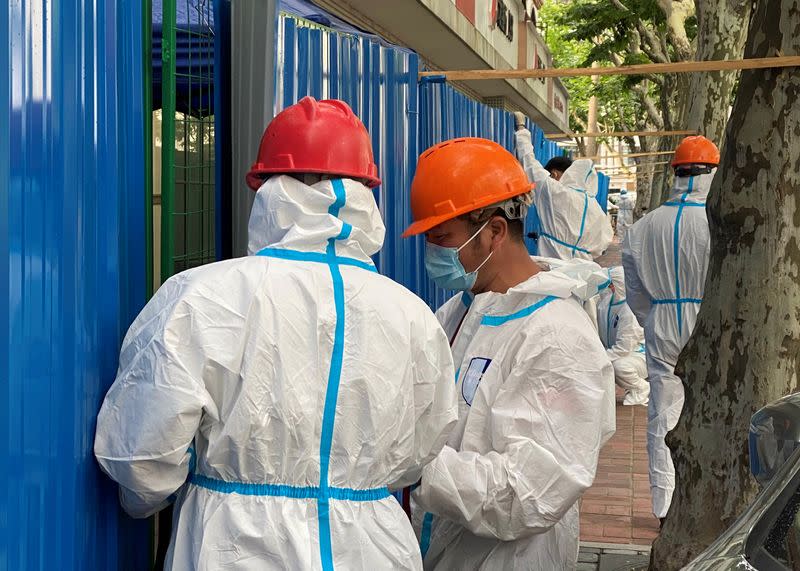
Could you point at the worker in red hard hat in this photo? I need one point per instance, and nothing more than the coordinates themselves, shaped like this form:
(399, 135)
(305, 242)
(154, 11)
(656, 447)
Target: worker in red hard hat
(665, 256)
(535, 387)
(277, 397)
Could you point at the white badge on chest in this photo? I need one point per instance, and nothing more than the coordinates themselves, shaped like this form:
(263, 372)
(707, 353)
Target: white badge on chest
(472, 378)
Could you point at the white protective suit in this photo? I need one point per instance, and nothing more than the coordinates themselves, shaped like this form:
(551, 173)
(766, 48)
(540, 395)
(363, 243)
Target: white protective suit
(536, 404)
(625, 206)
(572, 223)
(623, 339)
(279, 395)
(665, 256)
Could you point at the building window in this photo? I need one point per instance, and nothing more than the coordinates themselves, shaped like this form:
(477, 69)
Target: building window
(505, 20)
(540, 65)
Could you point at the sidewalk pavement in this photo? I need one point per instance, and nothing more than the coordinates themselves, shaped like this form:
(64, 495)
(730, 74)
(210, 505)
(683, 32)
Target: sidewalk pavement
(617, 508)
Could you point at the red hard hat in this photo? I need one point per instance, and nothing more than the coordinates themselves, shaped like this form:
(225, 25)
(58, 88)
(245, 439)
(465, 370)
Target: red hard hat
(323, 137)
(696, 150)
(459, 176)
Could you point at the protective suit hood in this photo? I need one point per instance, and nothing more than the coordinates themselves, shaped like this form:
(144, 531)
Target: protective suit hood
(617, 276)
(289, 214)
(581, 176)
(694, 187)
(564, 278)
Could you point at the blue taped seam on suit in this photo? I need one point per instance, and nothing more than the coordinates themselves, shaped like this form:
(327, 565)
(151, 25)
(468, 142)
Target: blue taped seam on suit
(588, 174)
(583, 222)
(324, 492)
(286, 491)
(674, 203)
(496, 320)
(332, 390)
(679, 301)
(192, 459)
(298, 256)
(676, 254)
(557, 241)
(425, 536)
(611, 304)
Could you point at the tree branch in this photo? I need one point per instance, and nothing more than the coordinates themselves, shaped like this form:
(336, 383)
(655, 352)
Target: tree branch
(649, 106)
(651, 46)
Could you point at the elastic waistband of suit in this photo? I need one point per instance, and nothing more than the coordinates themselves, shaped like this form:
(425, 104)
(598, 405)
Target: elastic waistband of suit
(289, 491)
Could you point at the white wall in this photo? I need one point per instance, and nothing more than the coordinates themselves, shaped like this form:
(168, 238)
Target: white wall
(485, 27)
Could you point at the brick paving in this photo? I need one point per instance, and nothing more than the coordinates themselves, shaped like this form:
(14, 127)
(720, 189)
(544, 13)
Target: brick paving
(617, 508)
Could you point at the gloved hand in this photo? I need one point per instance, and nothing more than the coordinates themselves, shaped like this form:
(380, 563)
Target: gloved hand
(520, 120)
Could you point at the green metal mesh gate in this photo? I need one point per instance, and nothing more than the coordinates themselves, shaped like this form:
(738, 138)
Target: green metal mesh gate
(187, 153)
(187, 194)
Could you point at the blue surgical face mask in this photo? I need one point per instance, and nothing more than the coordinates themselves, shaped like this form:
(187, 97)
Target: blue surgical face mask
(445, 268)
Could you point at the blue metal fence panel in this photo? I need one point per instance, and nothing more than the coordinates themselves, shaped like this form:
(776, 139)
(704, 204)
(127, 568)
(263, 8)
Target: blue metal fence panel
(72, 247)
(603, 183)
(403, 117)
(380, 84)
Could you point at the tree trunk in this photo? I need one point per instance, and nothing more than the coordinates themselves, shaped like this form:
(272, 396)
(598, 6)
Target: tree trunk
(745, 351)
(661, 182)
(722, 31)
(644, 187)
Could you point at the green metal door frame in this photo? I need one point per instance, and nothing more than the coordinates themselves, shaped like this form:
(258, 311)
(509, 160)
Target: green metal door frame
(168, 46)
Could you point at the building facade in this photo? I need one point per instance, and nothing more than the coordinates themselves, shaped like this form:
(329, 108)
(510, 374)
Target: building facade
(471, 34)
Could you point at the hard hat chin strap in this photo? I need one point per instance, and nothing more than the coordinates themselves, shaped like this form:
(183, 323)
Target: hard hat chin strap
(693, 170)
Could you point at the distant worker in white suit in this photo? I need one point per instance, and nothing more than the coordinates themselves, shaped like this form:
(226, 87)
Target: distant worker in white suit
(572, 223)
(625, 207)
(623, 339)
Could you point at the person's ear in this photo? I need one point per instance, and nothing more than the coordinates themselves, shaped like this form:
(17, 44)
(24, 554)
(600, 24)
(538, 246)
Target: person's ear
(498, 227)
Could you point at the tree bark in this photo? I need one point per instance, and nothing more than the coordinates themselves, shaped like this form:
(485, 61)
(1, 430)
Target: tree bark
(745, 351)
(677, 12)
(722, 31)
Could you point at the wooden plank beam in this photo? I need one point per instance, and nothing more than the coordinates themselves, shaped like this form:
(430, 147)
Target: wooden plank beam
(630, 167)
(627, 155)
(641, 69)
(620, 134)
(633, 175)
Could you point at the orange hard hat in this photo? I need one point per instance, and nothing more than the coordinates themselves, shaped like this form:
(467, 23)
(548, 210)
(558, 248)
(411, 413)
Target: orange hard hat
(461, 175)
(696, 150)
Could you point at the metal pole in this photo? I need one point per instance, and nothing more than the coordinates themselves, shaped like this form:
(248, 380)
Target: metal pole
(253, 43)
(168, 42)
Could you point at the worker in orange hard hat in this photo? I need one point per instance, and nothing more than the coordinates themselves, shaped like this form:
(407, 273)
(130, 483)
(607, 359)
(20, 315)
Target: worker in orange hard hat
(276, 398)
(665, 256)
(535, 386)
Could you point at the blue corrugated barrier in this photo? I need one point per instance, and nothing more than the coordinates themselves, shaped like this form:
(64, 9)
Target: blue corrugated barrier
(603, 183)
(380, 84)
(71, 237)
(72, 252)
